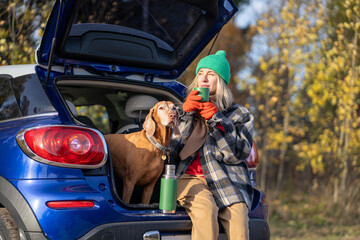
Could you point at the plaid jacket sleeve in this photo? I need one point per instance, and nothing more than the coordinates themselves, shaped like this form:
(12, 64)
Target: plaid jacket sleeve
(233, 145)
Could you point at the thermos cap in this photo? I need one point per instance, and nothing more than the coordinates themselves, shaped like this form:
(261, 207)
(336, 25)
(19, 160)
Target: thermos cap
(170, 167)
(169, 171)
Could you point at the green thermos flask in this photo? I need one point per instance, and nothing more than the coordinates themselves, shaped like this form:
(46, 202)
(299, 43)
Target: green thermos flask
(168, 190)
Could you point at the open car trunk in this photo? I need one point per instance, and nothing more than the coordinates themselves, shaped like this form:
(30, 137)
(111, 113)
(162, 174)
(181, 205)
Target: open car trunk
(113, 107)
(129, 45)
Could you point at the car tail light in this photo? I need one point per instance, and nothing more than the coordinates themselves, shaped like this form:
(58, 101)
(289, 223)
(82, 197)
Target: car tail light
(253, 159)
(65, 146)
(70, 204)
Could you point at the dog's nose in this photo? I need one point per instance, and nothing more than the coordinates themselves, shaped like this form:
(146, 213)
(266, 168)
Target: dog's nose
(171, 115)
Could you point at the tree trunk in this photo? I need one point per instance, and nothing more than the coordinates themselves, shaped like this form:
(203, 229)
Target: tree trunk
(264, 163)
(283, 149)
(264, 158)
(348, 122)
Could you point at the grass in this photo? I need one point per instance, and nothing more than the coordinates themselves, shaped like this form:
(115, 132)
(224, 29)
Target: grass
(301, 216)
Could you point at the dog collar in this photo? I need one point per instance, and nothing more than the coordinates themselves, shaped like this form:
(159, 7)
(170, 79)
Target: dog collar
(165, 150)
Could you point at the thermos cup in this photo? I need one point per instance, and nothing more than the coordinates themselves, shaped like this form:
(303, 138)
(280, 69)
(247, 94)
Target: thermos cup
(204, 93)
(168, 190)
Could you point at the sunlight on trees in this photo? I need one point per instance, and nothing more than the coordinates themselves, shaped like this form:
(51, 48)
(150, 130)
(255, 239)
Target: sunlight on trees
(307, 95)
(21, 24)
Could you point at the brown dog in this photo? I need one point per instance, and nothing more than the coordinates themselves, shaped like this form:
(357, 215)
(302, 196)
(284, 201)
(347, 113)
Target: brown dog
(138, 161)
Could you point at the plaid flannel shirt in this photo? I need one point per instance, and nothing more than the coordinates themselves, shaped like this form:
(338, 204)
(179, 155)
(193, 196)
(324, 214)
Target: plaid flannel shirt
(223, 154)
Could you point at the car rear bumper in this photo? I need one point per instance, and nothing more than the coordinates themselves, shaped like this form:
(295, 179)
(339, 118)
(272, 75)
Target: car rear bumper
(137, 230)
(177, 229)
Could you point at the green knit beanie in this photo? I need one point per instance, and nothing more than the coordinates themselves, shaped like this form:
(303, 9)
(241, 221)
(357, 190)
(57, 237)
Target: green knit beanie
(217, 63)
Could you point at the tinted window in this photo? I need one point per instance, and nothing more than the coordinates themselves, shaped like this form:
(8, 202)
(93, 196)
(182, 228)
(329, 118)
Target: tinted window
(8, 105)
(167, 20)
(30, 95)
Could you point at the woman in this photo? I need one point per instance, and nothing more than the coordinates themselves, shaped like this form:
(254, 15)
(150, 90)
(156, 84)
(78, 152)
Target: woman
(215, 140)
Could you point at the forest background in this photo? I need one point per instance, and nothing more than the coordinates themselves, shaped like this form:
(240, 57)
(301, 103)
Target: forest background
(297, 71)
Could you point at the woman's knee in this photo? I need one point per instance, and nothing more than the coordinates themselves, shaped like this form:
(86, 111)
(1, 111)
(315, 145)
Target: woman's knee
(205, 209)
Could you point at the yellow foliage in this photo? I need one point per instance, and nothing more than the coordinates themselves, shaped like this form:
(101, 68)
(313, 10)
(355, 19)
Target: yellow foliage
(263, 66)
(261, 107)
(274, 99)
(319, 23)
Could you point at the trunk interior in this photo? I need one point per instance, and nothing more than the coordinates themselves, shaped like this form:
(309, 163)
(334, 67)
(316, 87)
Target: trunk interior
(115, 107)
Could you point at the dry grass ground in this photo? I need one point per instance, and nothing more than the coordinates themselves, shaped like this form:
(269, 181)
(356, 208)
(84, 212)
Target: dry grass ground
(300, 216)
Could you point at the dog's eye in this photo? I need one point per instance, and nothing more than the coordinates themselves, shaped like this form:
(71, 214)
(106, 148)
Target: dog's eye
(161, 107)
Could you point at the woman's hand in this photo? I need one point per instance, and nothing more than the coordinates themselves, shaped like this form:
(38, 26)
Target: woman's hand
(208, 109)
(192, 101)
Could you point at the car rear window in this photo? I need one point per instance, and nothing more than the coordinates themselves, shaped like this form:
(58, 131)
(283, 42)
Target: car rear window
(30, 95)
(8, 104)
(169, 21)
(22, 96)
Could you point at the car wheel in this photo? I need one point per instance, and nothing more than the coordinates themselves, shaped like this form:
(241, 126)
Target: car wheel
(8, 227)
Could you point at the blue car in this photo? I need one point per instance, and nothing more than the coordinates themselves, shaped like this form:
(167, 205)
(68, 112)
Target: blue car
(95, 61)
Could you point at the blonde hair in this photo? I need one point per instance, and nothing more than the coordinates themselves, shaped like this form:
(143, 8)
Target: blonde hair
(223, 97)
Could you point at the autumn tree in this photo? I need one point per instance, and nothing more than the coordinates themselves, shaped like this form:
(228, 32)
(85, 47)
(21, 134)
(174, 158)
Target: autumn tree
(305, 89)
(21, 24)
(289, 32)
(334, 91)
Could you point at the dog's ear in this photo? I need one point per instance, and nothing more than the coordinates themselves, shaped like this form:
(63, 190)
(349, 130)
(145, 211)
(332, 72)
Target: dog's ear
(175, 128)
(149, 124)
